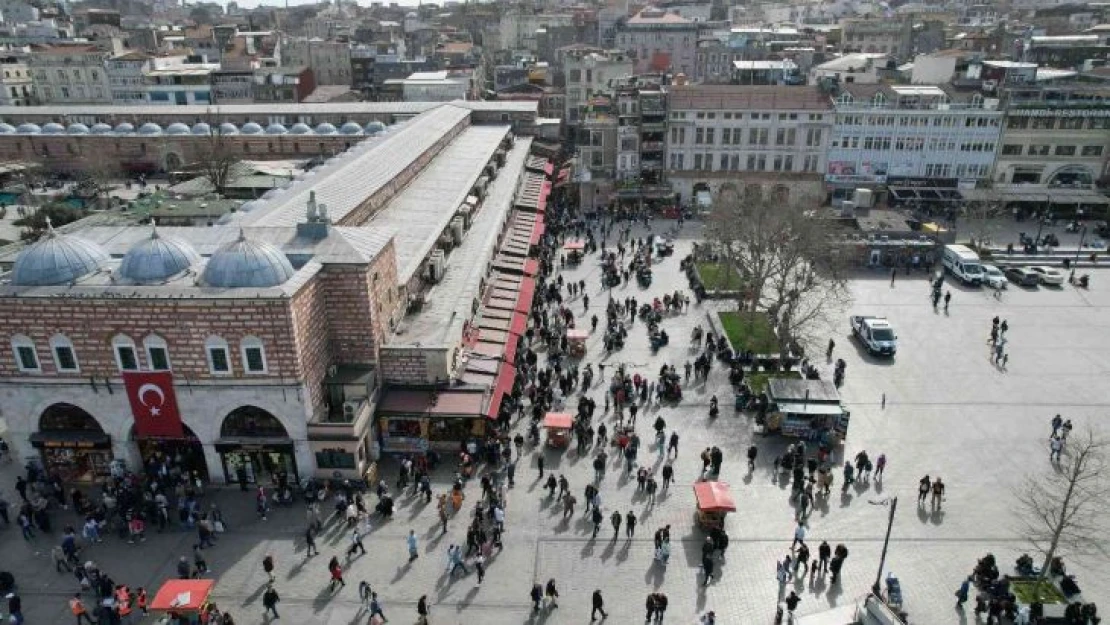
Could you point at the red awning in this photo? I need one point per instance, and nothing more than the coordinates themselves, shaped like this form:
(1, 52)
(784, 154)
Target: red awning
(527, 292)
(577, 334)
(549, 168)
(545, 190)
(558, 420)
(519, 324)
(182, 595)
(506, 375)
(714, 497)
(576, 244)
(510, 348)
(531, 267)
(564, 175)
(537, 232)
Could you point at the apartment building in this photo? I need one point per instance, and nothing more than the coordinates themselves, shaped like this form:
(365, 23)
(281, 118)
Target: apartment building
(660, 41)
(590, 73)
(764, 135)
(895, 134)
(125, 78)
(1055, 135)
(17, 88)
(641, 144)
(330, 61)
(70, 74)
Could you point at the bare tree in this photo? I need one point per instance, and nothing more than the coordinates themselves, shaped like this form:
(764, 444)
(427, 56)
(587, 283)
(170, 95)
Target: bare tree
(217, 161)
(1063, 510)
(979, 215)
(97, 175)
(789, 267)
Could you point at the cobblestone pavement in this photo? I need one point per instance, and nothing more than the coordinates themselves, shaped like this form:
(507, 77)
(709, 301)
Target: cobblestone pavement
(949, 412)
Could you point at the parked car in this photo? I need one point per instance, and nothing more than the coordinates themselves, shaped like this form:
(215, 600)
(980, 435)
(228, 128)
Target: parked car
(1022, 276)
(994, 278)
(1048, 275)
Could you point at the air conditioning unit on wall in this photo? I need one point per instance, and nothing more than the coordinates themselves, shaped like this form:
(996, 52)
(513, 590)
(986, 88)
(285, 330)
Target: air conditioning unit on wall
(436, 266)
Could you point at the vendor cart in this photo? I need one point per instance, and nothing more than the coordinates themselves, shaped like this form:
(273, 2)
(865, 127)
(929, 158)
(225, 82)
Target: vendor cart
(806, 409)
(183, 599)
(714, 501)
(664, 247)
(643, 276)
(576, 342)
(558, 426)
(574, 250)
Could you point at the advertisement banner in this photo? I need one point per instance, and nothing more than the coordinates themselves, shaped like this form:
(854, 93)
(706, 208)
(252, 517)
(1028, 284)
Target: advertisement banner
(153, 404)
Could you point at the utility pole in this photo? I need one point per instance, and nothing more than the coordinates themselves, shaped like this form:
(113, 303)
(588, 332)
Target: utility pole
(876, 589)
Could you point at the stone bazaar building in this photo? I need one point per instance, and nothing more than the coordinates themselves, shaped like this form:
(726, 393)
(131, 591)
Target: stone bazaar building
(263, 346)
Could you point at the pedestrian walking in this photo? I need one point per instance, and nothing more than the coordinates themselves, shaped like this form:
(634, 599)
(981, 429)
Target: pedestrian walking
(880, 465)
(650, 606)
(824, 552)
(893, 272)
(480, 567)
(616, 521)
(668, 475)
(422, 610)
(411, 541)
(923, 487)
(947, 298)
(310, 542)
(596, 518)
(551, 593)
(356, 543)
(792, 600)
(1057, 422)
(799, 535)
(336, 573)
(629, 525)
(1055, 446)
(539, 464)
(753, 452)
(270, 600)
(598, 606)
(376, 607)
(364, 592)
(77, 607)
(268, 566)
(568, 505)
(672, 445)
(537, 597)
(962, 593)
(938, 493)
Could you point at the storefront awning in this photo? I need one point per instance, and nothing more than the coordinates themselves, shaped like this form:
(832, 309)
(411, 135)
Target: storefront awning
(510, 348)
(527, 293)
(182, 595)
(519, 324)
(70, 438)
(506, 375)
(812, 408)
(549, 168)
(537, 233)
(714, 497)
(531, 267)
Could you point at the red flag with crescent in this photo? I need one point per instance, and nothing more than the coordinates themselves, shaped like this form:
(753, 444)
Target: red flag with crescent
(153, 404)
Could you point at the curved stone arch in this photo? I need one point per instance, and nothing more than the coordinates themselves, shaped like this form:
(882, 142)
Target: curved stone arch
(1071, 168)
(34, 415)
(90, 415)
(296, 427)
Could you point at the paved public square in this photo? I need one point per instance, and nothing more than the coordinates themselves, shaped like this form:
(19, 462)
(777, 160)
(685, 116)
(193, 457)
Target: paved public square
(949, 412)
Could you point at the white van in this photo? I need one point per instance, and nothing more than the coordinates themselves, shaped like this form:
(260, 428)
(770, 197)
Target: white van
(963, 263)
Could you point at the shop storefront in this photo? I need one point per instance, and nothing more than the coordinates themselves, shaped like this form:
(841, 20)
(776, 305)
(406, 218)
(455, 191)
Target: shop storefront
(418, 421)
(72, 444)
(254, 448)
(187, 454)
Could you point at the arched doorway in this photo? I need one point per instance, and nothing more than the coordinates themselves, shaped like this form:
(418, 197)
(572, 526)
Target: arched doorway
(255, 448)
(1071, 175)
(182, 456)
(73, 444)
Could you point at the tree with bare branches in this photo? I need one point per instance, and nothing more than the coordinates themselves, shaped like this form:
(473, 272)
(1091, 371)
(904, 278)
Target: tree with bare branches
(789, 267)
(1062, 511)
(217, 160)
(980, 215)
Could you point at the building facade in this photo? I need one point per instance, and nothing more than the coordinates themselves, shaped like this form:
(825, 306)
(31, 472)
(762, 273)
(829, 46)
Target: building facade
(71, 74)
(17, 88)
(887, 133)
(761, 135)
(330, 61)
(1056, 136)
(588, 74)
(660, 41)
(125, 78)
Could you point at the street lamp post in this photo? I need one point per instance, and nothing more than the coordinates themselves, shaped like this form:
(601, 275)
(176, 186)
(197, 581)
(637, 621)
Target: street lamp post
(1082, 235)
(876, 589)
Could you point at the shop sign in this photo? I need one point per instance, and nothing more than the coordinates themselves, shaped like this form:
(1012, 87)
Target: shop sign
(855, 179)
(70, 444)
(404, 445)
(1061, 112)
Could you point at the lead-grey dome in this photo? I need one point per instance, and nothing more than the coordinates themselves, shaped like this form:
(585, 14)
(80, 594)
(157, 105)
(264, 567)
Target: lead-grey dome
(276, 129)
(251, 128)
(201, 128)
(374, 127)
(57, 259)
(177, 128)
(53, 129)
(6, 129)
(350, 128)
(150, 129)
(124, 129)
(326, 129)
(228, 128)
(28, 129)
(77, 129)
(100, 129)
(157, 258)
(300, 129)
(247, 263)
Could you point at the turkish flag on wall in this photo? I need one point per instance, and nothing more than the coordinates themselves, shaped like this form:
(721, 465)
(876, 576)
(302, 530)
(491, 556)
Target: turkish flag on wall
(153, 404)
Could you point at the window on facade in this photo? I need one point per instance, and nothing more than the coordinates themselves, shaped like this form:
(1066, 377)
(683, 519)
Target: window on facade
(1011, 149)
(157, 353)
(65, 359)
(127, 359)
(697, 161)
(1092, 150)
(219, 360)
(26, 358)
(1038, 150)
(1065, 150)
(254, 356)
(335, 459)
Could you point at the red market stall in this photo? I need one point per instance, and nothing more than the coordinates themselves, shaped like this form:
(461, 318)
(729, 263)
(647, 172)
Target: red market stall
(183, 597)
(714, 500)
(558, 426)
(576, 342)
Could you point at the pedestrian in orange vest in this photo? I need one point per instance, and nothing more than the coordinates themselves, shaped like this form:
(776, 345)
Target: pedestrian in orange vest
(123, 601)
(141, 600)
(78, 608)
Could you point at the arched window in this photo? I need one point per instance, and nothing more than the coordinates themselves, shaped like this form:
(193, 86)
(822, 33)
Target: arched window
(65, 357)
(157, 353)
(26, 356)
(219, 359)
(254, 355)
(127, 359)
